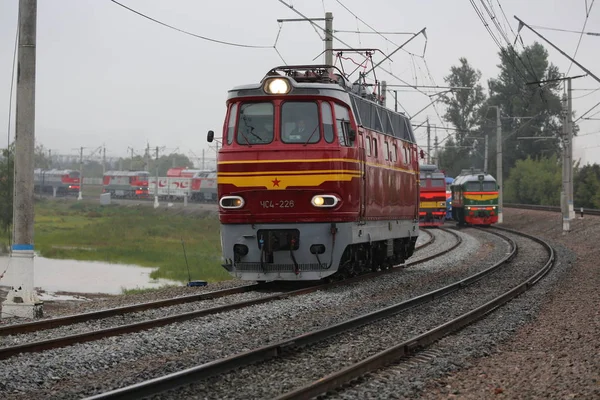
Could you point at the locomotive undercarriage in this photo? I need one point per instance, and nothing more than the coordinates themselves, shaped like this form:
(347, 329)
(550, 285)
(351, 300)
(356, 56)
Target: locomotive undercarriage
(363, 258)
(315, 251)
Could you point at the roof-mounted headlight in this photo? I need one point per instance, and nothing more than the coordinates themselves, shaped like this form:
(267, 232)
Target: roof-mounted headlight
(277, 86)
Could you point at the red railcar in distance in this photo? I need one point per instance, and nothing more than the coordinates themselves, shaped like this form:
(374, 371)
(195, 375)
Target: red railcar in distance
(126, 184)
(314, 178)
(60, 182)
(432, 208)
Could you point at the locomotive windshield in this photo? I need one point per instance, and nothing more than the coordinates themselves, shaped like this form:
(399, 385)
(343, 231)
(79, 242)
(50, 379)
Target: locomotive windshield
(300, 122)
(74, 174)
(489, 186)
(255, 125)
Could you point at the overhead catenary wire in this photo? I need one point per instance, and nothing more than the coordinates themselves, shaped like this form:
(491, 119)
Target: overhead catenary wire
(565, 30)
(345, 43)
(375, 31)
(190, 33)
(587, 15)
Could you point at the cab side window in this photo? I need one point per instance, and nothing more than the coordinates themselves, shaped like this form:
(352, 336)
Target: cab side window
(342, 122)
(231, 123)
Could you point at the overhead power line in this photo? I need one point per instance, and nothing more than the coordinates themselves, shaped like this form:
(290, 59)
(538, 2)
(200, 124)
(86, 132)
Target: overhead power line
(190, 33)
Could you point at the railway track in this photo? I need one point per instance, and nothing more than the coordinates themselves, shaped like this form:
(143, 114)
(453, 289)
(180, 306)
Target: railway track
(586, 211)
(284, 348)
(97, 334)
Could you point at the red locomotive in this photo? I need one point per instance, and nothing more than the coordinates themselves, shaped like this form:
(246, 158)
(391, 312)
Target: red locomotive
(126, 184)
(432, 209)
(314, 179)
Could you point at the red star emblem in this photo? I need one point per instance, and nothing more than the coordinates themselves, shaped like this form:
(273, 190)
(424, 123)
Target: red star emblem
(275, 182)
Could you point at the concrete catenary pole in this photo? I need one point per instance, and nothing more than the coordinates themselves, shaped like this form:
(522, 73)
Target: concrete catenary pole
(499, 164)
(328, 38)
(22, 300)
(103, 160)
(156, 184)
(428, 142)
(80, 196)
(485, 154)
(435, 146)
(570, 150)
(564, 194)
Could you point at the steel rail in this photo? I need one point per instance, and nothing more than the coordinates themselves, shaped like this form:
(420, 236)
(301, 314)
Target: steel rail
(94, 315)
(191, 375)
(411, 345)
(32, 347)
(52, 323)
(588, 211)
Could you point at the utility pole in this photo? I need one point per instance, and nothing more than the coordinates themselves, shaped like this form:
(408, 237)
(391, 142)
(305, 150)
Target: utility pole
(156, 185)
(435, 146)
(499, 163)
(566, 199)
(428, 142)
(329, 39)
(485, 154)
(147, 167)
(80, 196)
(131, 160)
(203, 159)
(395, 100)
(21, 299)
(103, 160)
(383, 92)
(570, 149)
(49, 158)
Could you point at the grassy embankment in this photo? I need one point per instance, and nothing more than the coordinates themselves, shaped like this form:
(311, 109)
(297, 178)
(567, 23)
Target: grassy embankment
(132, 235)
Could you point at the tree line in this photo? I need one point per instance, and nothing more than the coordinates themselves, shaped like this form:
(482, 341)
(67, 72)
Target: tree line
(527, 92)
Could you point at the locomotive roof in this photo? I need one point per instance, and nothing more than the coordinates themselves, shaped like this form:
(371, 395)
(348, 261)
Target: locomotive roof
(54, 171)
(431, 171)
(317, 81)
(472, 175)
(125, 173)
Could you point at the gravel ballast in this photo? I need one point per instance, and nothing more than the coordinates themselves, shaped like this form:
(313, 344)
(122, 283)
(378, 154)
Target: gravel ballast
(268, 379)
(93, 367)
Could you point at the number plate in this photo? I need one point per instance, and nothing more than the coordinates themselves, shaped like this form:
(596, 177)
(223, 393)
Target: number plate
(267, 204)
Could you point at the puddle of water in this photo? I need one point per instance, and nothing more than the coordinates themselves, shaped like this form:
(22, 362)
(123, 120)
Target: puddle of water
(88, 276)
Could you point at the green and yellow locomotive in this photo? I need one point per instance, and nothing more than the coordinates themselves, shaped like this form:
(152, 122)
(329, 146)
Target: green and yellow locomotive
(474, 198)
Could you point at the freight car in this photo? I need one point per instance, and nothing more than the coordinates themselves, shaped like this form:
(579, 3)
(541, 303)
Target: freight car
(475, 198)
(315, 178)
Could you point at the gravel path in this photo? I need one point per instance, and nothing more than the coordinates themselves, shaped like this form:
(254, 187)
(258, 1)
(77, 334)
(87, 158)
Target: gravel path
(269, 379)
(93, 367)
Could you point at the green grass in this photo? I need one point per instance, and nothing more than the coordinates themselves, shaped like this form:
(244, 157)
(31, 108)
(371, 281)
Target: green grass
(132, 235)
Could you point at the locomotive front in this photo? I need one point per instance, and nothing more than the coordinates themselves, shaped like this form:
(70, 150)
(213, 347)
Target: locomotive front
(475, 198)
(290, 179)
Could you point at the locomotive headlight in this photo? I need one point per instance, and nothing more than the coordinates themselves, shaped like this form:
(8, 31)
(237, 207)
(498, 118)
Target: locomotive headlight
(325, 200)
(231, 202)
(277, 86)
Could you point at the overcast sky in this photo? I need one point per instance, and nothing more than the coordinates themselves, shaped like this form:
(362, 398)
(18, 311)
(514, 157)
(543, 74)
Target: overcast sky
(106, 76)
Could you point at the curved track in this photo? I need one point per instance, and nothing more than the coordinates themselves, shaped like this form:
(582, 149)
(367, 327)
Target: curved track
(93, 335)
(283, 348)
